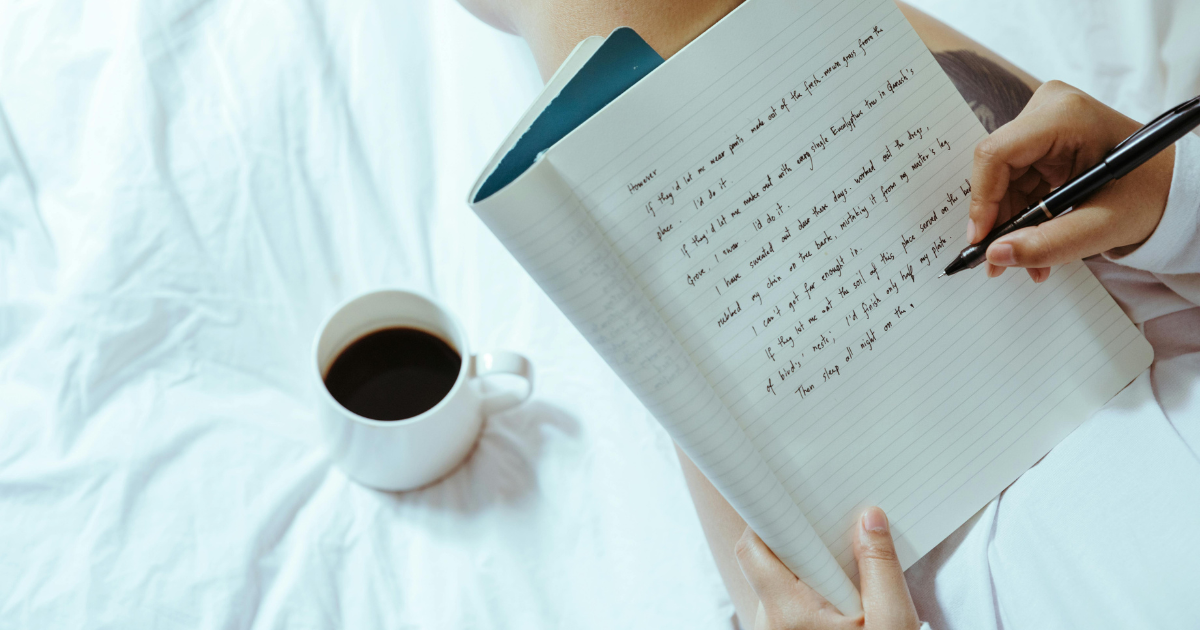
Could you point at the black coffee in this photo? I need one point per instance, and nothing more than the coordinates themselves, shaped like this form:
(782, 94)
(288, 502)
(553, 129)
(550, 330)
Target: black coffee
(393, 374)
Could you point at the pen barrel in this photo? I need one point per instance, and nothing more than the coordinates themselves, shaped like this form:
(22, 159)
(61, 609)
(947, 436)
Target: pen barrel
(1054, 204)
(1123, 159)
(1128, 159)
(1153, 139)
(1029, 218)
(1073, 192)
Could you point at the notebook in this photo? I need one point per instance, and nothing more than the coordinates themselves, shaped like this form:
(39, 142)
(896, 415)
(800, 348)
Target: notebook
(749, 233)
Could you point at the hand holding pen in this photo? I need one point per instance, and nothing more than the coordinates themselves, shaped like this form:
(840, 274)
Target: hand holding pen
(1064, 142)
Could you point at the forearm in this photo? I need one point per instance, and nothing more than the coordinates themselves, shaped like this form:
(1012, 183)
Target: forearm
(995, 89)
(722, 527)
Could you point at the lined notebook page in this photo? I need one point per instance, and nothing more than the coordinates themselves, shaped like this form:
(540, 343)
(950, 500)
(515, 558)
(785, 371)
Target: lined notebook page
(784, 192)
(550, 233)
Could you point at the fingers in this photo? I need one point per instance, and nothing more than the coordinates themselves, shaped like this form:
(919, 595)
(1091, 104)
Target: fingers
(1067, 238)
(784, 601)
(769, 578)
(1027, 183)
(1000, 158)
(773, 582)
(1060, 131)
(1038, 274)
(886, 602)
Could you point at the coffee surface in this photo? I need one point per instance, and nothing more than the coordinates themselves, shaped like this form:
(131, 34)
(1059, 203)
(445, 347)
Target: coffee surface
(393, 373)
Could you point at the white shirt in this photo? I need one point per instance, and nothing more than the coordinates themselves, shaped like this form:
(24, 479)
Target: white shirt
(1104, 532)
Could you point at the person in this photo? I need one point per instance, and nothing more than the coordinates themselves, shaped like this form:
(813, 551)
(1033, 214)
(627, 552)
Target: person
(1041, 135)
(1060, 133)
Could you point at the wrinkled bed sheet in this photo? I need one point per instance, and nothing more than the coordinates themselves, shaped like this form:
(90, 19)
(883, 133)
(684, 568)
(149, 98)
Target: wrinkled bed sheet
(187, 188)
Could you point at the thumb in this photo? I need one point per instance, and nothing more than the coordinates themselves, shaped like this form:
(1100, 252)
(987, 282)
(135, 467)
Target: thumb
(1066, 238)
(885, 598)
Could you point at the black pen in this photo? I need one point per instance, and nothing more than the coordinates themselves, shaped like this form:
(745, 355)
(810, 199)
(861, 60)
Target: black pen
(1133, 151)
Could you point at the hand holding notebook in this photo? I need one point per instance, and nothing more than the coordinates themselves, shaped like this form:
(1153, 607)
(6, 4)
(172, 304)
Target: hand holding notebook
(749, 235)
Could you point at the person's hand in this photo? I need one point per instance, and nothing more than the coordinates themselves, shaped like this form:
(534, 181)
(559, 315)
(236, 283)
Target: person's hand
(786, 603)
(1061, 133)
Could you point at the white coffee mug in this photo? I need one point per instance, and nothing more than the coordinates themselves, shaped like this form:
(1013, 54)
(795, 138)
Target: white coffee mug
(410, 453)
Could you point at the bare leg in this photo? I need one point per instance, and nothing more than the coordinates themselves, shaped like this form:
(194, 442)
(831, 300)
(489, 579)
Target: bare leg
(722, 527)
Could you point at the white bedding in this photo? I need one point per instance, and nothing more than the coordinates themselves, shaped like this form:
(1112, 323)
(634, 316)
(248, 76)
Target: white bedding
(187, 188)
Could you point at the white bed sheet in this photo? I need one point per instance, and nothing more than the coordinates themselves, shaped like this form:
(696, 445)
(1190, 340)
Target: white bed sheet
(186, 189)
(1099, 533)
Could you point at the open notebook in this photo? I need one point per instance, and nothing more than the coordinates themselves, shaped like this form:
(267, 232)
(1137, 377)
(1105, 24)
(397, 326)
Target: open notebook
(749, 234)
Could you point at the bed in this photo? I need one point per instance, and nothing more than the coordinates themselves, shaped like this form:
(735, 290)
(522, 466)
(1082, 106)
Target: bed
(187, 188)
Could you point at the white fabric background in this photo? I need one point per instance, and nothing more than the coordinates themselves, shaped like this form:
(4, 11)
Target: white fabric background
(1099, 533)
(187, 188)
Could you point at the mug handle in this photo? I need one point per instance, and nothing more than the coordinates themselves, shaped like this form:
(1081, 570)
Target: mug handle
(501, 362)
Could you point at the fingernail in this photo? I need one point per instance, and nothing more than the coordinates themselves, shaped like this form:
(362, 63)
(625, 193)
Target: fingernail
(874, 521)
(1001, 254)
(970, 230)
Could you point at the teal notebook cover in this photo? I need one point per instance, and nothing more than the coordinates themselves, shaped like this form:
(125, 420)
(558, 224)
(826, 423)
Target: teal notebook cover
(621, 61)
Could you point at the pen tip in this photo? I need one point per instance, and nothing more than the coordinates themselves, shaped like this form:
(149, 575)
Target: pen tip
(941, 274)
